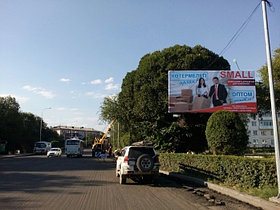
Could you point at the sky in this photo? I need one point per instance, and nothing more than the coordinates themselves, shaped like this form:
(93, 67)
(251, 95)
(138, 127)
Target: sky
(60, 58)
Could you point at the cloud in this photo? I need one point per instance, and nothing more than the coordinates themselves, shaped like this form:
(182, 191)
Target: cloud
(64, 80)
(96, 95)
(39, 91)
(96, 82)
(111, 86)
(20, 99)
(109, 80)
(60, 109)
(89, 93)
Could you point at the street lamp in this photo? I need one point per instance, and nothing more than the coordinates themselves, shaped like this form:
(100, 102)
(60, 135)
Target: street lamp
(42, 121)
(235, 61)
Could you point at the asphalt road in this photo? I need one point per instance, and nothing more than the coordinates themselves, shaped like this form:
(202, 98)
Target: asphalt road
(37, 182)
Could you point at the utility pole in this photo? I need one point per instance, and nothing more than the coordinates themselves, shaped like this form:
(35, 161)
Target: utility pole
(42, 122)
(118, 135)
(272, 95)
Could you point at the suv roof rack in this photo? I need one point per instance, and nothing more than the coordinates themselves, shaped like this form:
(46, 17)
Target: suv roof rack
(142, 143)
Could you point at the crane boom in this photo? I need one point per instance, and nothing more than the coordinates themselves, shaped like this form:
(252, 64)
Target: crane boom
(107, 132)
(98, 143)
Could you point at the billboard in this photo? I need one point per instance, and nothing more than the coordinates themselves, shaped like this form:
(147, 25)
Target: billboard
(210, 91)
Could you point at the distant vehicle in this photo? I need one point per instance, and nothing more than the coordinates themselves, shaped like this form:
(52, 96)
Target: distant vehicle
(138, 162)
(42, 147)
(99, 144)
(74, 147)
(54, 152)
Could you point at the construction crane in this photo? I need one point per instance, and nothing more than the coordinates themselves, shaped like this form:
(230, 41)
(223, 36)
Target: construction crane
(99, 143)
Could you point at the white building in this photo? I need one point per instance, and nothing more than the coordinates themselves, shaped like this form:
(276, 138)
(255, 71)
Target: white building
(80, 132)
(260, 130)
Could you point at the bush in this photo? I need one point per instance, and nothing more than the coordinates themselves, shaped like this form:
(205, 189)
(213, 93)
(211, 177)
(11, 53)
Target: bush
(230, 170)
(226, 133)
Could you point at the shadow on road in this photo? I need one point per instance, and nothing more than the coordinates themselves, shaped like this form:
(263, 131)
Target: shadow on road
(14, 202)
(44, 164)
(43, 183)
(165, 182)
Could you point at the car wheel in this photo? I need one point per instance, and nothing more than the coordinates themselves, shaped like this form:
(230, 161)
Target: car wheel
(122, 179)
(145, 163)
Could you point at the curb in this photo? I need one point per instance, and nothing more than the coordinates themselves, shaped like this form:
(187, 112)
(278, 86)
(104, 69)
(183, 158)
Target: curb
(255, 201)
(15, 156)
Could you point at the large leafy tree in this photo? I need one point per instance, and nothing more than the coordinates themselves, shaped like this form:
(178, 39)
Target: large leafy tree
(262, 87)
(142, 102)
(10, 122)
(226, 133)
(276, 70)
(110, 108)
(19, 130)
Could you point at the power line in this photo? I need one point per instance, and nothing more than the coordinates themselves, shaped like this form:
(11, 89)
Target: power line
(237, 33)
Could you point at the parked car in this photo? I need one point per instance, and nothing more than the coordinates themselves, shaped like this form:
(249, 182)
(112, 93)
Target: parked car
(137, 162)
(54, 152)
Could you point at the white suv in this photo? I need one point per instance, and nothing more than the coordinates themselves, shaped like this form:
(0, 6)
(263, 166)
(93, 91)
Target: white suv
(139, 163)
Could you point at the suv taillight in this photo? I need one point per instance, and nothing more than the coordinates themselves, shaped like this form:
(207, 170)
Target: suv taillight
(125, 159)
(156, 159)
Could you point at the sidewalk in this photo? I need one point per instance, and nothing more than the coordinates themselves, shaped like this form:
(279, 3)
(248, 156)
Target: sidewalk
(15, 156)
(255, 201)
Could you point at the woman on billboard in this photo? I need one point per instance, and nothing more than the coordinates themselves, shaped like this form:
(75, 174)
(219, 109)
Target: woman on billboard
(202, 89)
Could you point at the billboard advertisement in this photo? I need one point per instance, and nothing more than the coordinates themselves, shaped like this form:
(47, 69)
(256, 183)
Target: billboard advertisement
(210, 91)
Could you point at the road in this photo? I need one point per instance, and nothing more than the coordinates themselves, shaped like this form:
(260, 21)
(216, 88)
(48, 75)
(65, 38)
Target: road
(37, 182)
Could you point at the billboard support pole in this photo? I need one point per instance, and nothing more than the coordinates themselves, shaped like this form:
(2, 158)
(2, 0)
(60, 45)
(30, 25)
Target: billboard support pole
(272, 95)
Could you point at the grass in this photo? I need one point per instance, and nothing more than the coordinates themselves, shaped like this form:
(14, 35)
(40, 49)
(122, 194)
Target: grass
(265, 192)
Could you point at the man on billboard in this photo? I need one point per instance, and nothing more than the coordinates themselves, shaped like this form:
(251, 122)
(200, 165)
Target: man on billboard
(218, 93)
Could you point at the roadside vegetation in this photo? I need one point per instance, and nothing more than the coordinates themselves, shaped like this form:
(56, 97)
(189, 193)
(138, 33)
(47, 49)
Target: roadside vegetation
(141, 107)
(19, 130)
(141, 111)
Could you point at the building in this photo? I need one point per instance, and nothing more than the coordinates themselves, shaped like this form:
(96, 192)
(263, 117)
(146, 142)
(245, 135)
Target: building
(260, 131)
(80, 132)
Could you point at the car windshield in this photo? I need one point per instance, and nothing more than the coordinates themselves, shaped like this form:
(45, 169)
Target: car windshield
(135, 152)
(40, 145)
(72, 142)
(54, 149)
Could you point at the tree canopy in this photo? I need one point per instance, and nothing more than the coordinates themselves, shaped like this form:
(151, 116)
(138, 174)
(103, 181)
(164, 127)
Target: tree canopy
(19, 130)
(142, 102)
(263, 95)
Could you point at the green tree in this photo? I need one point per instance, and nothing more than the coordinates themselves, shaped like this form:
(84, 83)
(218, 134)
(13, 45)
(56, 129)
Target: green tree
(263, 96)
(142, 102)
(10, 123)
(109, 109)
(276, 70)
(19, 129)
(226, 133)
(30, 129)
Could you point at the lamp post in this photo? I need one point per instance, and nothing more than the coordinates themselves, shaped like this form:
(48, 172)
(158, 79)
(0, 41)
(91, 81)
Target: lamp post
(235, 61)
(42, 122)
(272, 96)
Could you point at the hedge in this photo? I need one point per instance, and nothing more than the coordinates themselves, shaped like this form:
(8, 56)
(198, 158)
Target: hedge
(230, 170)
